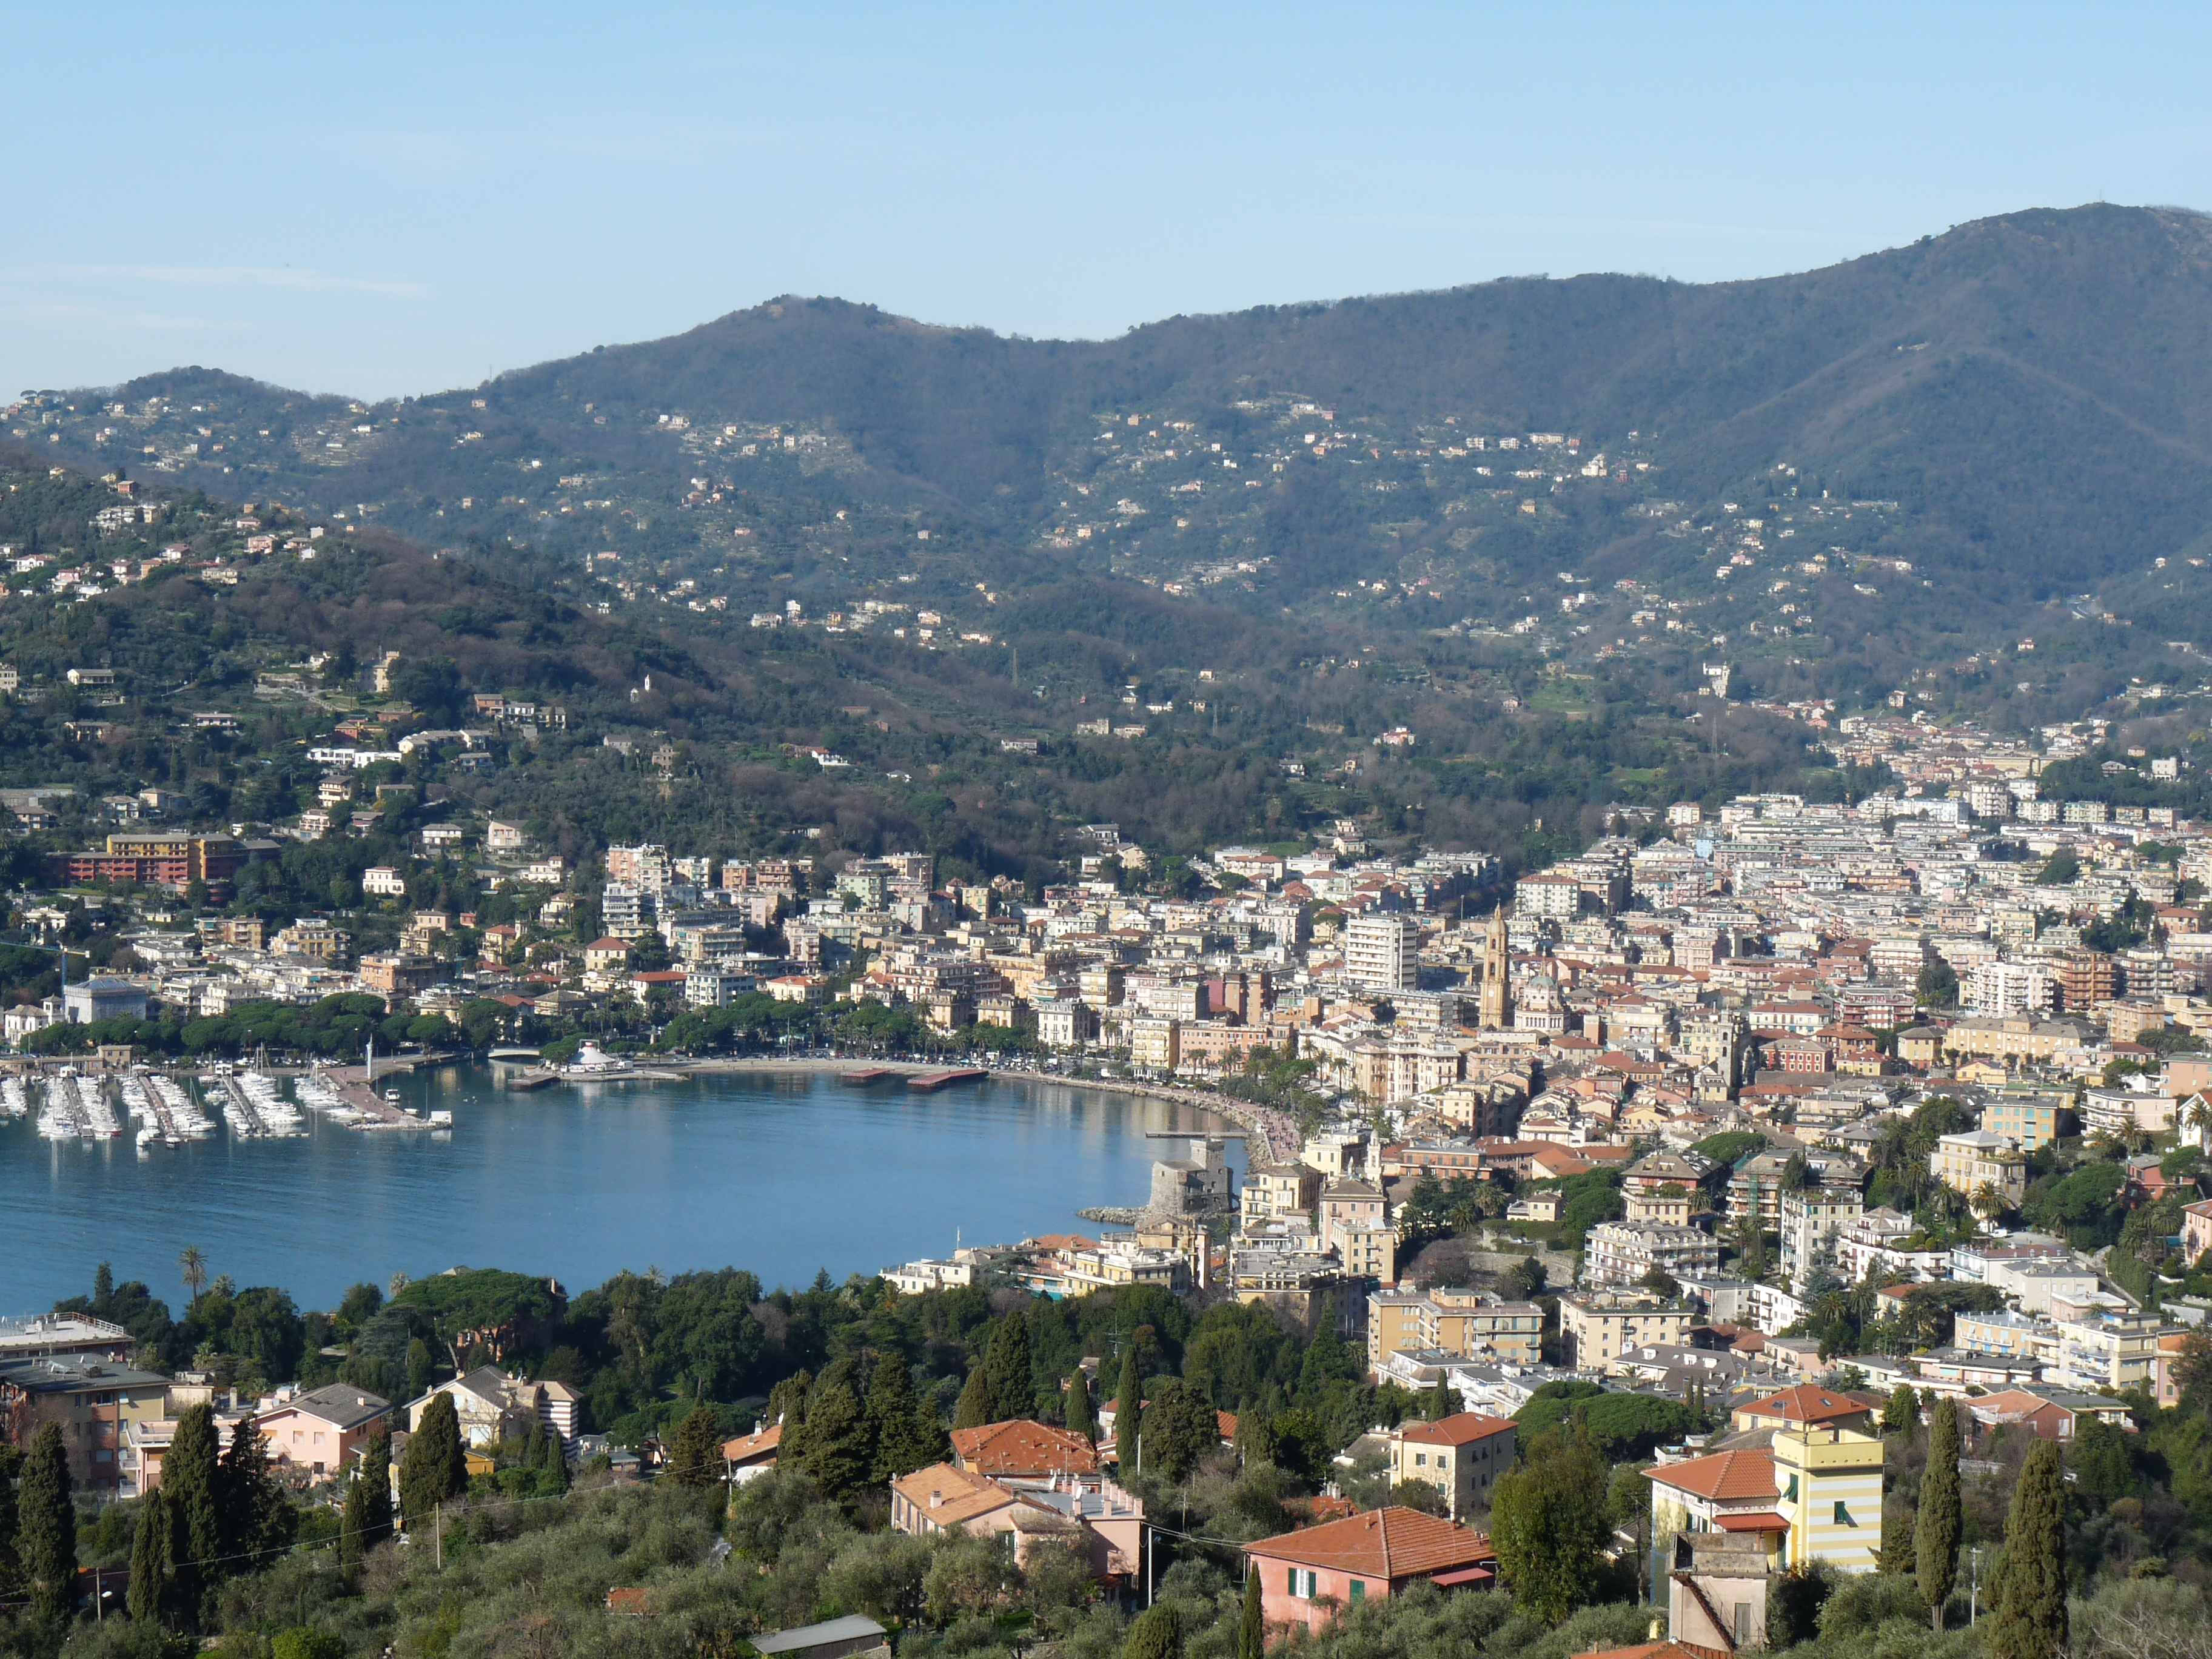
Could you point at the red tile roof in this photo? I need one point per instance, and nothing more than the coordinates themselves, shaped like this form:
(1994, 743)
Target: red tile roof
(747, 1447)
(1461, 1429)
(1390, 1543)
(1805, 1404)
(1722, 1478)
(1021, 1447)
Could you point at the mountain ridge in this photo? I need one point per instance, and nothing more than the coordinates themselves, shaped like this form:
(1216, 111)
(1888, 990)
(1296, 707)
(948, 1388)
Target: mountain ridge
(2021, 388)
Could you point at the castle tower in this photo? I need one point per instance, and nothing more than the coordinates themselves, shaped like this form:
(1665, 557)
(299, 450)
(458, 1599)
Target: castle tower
(1497, 976)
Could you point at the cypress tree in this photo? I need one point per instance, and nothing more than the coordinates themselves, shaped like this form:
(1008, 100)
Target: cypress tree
(1936, 1540)
(433, 1467)
(352, 1524)
(2030, 1602)
(1157, 1634)
(907, 1436)
(840, 1450)
(1128, 1403)
(419, 1368)
(1252, 1628)
(149, 1558)
(258, 1519)
(974, 1409)
(927, 1441)
(694, 1458)
(192, 1475)
(888, 1404)
(1012, 1386)
(46, 1525)
(1255, 1436)
(1440, 1402)
(1180, 1427)
(1077, 1413)
(373, 1482)
(553, 1464)
(11, 1462)
(787, 1404)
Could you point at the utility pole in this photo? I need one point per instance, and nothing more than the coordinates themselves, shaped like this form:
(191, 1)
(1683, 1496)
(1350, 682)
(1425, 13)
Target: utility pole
(438, 1536)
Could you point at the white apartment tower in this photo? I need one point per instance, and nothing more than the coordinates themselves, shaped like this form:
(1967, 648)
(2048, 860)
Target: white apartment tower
(1383, 953)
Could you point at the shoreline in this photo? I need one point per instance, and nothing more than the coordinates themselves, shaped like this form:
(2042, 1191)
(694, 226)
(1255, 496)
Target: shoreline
(1270, 1130)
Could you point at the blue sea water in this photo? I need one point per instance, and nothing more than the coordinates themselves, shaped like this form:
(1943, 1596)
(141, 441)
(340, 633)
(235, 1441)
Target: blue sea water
(781, 1173)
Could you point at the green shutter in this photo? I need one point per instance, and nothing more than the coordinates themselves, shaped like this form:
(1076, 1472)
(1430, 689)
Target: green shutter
(1359, 1590)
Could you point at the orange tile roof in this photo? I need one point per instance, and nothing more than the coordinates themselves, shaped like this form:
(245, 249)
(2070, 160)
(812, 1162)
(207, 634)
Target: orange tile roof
(1390, 1543)
(1805, 1404)
(1020, 1447)
(1461, 1429)
(1724, 1477)
(948, 1496)
(747, 1447)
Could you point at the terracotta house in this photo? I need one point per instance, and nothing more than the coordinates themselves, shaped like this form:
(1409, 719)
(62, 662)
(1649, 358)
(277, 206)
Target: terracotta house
(1307, 1577)
(1022, 1449)
(1091, 1512)
(752, 1454)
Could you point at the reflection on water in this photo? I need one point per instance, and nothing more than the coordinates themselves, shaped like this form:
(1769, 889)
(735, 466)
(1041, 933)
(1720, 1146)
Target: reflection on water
(783, 1174)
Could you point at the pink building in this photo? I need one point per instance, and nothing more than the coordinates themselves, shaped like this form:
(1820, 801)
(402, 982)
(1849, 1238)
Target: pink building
(321, 1431)
(1307, 1577)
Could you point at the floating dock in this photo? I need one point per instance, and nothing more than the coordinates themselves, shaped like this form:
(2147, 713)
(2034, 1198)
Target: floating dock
(377, 1112)
(248, 1122)
(867, 1074)
(930, 1082)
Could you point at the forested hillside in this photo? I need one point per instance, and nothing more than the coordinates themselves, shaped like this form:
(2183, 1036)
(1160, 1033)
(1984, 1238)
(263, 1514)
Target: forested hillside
(2022, 388)
(240, 642)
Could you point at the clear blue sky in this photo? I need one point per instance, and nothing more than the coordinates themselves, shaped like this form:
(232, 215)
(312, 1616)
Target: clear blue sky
(397, 197)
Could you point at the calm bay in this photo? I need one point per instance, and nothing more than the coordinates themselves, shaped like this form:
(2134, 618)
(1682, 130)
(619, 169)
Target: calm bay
(781, 1173)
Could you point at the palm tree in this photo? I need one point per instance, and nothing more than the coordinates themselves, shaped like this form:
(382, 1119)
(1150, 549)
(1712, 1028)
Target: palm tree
(193, 1265)
(1989, 1202)
(2198, 1115)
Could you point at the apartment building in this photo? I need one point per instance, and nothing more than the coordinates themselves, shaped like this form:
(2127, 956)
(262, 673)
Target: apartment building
(1461, 1455)
(1618, 1254)
(93, 1400)
(1976, 1159)
(1464, 1322)
(1597, 1329)
(2111, 1349)
(1812, 1219)
(2029, 1121)
(1382, 952)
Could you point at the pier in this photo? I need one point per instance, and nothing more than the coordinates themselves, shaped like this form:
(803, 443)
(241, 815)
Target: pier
(866, 1075)
(376, 1112)
(244, 1117)
(930, 1081)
